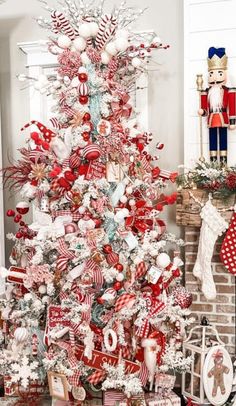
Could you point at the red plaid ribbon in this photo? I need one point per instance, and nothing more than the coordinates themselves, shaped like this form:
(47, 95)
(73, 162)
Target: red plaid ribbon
(74, 380)
(123, 300)
(96, 377)
(140, 270)
(75, 216)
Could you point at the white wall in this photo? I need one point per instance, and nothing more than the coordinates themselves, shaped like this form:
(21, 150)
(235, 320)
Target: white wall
(207, 23)
(165, 85)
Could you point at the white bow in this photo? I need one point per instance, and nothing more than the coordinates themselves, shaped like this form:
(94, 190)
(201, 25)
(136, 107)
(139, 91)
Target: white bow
(47, 228)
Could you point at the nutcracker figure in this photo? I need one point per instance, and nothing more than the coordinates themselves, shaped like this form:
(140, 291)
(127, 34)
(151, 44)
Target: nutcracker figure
(218, 103)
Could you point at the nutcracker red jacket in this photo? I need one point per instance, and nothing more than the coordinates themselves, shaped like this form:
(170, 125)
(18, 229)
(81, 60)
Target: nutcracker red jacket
(228, 111)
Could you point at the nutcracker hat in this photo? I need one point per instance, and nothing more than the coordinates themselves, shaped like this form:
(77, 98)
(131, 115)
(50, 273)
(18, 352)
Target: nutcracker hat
(217, 59)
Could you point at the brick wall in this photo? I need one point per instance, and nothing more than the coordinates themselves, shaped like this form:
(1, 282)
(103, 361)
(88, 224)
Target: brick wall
(221, 311)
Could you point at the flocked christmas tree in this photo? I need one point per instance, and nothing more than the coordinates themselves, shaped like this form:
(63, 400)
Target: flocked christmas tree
(96, 271)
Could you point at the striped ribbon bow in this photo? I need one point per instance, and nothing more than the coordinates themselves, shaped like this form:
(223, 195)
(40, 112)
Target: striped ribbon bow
(65, 255)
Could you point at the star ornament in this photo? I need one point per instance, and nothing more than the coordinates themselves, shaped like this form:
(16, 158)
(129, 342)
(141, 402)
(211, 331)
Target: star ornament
(38, 172)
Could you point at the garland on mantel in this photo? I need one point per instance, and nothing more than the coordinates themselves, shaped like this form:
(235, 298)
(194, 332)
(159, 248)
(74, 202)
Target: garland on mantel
(210, 176)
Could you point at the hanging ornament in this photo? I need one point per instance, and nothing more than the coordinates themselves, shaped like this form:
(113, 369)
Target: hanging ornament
(163, 260)
(21, 334)
(182, 297)
(22, 208)
(78, 393)
(92, 152)
(110, 340)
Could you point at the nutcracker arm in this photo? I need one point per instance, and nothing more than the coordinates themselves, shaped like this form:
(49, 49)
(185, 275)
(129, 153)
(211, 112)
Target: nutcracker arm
(204, 102)
(232, 106)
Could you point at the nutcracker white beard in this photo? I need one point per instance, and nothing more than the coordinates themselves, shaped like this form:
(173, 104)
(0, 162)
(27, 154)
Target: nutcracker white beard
(215, 97)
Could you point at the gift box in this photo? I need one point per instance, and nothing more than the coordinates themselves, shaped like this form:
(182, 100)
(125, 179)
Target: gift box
(153, 399)
(117, 398)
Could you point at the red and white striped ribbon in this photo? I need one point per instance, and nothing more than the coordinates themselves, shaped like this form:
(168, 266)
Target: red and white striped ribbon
(143, 374)
(167, 175)
(55, 123)
(86, 316)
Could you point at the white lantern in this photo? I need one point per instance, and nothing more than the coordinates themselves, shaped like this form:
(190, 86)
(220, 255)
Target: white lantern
(203, 344)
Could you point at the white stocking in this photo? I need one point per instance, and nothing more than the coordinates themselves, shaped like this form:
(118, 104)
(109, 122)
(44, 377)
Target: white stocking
(213, 225)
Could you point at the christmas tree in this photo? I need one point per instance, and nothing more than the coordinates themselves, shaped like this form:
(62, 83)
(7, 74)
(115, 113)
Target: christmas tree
(95, 282)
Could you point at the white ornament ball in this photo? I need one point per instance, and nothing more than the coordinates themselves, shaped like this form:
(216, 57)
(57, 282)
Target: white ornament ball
(132, 202)
(85, 30)
(42, 289)
(163, 260)
(46, 299)
(136, 62)
(121, 44)
(21, 334)
(82, 209)
(123, 199)
(129, 190)
(111, 48)
(120, 277)
(28, 297)
(79, 44)
(84, 58)
(93, 29)
(122, 33)
(105, 58)
(64, 41)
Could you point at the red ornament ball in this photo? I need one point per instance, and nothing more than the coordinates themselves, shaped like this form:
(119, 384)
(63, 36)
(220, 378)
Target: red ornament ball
(17, 218)
(92, 152)
(19, 235)
(100, 300)
(70, 176)
(107, 249)
(87, 117)
(176, 273)
(182, 297)
(83, 99)
(34, 136)
(86, 136)
(10, 213)
(117, 286)
(22, 207)
(83, 77)
(119, 267)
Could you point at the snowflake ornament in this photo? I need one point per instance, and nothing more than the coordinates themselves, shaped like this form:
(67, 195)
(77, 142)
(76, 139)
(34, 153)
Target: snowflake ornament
(24, 371)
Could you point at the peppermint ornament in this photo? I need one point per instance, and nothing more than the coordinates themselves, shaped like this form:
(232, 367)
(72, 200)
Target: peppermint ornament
(92, 152)
(182, 297)
(228, 248)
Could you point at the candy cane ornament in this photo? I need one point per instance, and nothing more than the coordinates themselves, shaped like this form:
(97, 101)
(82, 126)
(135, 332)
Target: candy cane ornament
(61, 24)
(104, 33)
